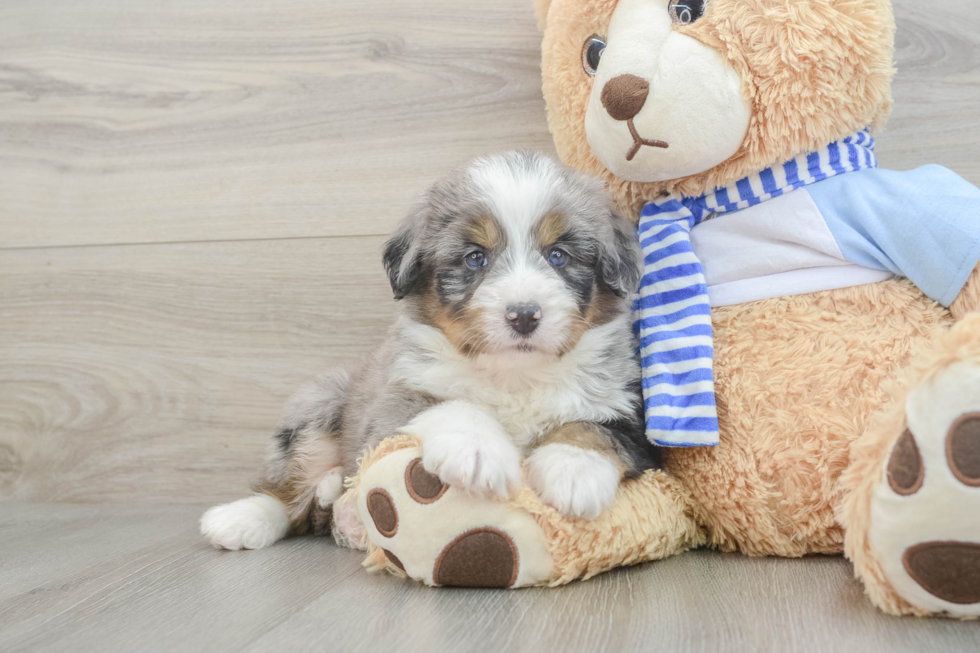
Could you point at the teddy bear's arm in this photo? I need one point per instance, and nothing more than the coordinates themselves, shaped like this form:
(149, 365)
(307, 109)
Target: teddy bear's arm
(968, 300)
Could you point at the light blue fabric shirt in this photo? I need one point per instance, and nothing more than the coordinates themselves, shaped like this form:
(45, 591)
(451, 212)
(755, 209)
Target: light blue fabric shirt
(824, 220)
(923, 224)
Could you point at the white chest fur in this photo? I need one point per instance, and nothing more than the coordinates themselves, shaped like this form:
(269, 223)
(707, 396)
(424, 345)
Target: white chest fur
(529, 394)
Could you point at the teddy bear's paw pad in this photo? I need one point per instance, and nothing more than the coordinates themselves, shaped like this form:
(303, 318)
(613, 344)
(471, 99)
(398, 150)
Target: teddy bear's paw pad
(421, 485)
(393, 559)
(925, 514)
(963, 449)
(442, 535)
(382, 511)
(905, 468)
(948, 570)
(482, 557)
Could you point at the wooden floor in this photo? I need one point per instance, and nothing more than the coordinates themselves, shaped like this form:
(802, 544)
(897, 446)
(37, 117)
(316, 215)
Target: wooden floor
(138, 578)
(193, 195)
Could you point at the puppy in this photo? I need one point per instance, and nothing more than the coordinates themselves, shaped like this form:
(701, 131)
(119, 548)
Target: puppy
(513, 339)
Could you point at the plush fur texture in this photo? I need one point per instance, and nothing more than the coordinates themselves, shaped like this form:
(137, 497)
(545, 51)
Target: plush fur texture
(968, 300)
(813, 70)
(798, 380)
(653, 517)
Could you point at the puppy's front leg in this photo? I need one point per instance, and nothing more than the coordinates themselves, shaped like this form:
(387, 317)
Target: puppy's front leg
(576, 470)
(467, 447)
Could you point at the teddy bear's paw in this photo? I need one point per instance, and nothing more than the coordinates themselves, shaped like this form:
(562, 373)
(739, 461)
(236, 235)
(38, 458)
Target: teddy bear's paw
(574, 481)
(468, 449)
(925, 514)
(443, 535)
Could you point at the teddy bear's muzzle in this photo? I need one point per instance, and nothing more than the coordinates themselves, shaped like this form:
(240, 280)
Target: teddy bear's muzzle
(623, 97)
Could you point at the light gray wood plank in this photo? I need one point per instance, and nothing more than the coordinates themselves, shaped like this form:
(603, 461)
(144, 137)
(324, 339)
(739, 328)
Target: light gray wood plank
(142, 579)
(936, 118)
(183, 121)
(45, 543)
(701, 601)
(160, 592)
(158, 372)
(142, 122)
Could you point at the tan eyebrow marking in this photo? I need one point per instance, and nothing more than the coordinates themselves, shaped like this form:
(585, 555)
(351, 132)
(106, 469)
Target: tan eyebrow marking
(551, 227)
(484, 231)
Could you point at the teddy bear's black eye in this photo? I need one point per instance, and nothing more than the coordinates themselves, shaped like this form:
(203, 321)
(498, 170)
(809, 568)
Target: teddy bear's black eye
(591, 53)
(685, 12)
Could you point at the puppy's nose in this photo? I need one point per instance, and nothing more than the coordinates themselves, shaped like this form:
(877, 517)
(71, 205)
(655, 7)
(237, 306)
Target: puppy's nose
(624, 96)
(523, 318)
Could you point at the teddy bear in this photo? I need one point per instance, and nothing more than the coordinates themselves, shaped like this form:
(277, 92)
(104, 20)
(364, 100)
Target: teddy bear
(808, 323)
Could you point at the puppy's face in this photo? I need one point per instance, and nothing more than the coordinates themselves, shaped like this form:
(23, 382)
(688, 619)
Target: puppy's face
(514, 254)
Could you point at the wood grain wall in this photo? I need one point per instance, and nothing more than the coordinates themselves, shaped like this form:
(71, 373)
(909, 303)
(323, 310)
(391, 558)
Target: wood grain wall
(193, 196)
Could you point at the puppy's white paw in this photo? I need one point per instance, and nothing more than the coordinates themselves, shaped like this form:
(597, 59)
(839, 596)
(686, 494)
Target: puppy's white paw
(467, 448)
(252, 523)
(574, 481)
(330, 488)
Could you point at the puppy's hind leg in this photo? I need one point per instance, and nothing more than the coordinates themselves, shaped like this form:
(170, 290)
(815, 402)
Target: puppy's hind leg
(302, 479)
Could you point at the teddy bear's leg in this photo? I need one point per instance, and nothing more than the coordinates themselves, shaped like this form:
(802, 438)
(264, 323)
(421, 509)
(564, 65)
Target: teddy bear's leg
(420, 527)
(912, 509)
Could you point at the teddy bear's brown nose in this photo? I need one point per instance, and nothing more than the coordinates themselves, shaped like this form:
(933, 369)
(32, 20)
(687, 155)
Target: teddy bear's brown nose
(624, 95)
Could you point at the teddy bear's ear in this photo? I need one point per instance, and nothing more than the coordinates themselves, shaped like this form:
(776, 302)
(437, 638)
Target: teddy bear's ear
(541, 12)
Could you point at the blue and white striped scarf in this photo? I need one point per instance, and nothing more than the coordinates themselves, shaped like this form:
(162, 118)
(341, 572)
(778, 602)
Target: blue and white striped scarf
(672, 316)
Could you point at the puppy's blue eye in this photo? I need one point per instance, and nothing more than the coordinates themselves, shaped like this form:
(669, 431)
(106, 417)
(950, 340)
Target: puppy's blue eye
(476, 260)
(557, 258)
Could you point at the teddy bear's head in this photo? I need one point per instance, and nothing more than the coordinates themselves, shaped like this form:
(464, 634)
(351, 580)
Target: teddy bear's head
(665, 96)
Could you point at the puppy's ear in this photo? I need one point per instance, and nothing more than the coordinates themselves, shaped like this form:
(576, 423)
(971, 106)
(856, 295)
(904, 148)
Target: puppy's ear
(403, 253)
(620, 258)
